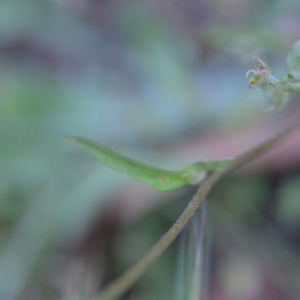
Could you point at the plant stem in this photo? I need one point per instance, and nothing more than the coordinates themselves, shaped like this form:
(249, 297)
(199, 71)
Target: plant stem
(117, 287)
(121, 284)
(293, 87)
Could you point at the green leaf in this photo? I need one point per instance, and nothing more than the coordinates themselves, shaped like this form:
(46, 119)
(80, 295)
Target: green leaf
(293, 60)
(160, 179)
(279, 96)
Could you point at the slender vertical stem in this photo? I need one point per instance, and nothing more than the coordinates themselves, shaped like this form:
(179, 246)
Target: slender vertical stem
(190, 279)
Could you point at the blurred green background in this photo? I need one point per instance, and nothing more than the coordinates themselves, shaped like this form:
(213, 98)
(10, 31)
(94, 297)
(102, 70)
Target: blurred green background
(151, 79)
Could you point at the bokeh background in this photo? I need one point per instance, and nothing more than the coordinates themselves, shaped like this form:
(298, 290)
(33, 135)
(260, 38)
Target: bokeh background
(164, 82)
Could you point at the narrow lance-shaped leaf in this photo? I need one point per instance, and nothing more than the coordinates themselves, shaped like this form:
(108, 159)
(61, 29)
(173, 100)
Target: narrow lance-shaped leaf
(160, 179)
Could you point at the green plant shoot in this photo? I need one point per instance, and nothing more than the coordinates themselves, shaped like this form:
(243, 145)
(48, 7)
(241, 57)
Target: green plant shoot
(159, 179)
(273, 88)
(293, 60)
(276, 89)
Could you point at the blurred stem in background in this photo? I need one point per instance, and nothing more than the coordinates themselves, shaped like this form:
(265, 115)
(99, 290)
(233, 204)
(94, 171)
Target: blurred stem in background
(191, 279)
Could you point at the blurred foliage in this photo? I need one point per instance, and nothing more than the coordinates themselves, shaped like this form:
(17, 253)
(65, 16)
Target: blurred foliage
(135, 75)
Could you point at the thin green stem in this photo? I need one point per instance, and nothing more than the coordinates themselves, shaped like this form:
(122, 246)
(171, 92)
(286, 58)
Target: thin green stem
(121, 284)
(293, 87)
(117, 287)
